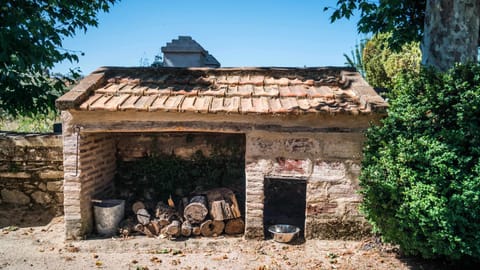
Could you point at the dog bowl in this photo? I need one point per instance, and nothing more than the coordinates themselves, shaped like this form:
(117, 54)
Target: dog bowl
(283, 233)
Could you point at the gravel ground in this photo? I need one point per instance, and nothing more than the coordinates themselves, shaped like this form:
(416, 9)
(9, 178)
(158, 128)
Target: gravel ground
(43, 247)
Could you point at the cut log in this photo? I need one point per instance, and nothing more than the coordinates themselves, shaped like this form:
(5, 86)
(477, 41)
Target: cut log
(138, 228)
(173, 229)
(144, 230)
(143, 216)
(156, 226)
(196, 211)
(218, 227)
(196, 230)
(223, 204)
(151, 227)
(166, 214)
(137, 206)
(186, 229)
(212, 228)
(235, 208)
(234, 226)
(220, 210)
(206, 228)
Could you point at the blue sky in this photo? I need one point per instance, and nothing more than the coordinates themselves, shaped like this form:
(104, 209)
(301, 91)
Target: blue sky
(238, 33)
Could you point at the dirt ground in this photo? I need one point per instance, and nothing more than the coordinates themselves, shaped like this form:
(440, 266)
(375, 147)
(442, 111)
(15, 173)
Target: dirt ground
(43, 247)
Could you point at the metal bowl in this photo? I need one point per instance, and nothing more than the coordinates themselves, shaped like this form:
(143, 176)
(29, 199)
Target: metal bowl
(283, 233)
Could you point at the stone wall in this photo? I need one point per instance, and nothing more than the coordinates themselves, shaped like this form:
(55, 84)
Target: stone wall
(330, 165)
(31, 170)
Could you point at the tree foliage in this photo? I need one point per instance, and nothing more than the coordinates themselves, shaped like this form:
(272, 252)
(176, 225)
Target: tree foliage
(31, 35)
(421, 169)
(403, 18)
(382, 64)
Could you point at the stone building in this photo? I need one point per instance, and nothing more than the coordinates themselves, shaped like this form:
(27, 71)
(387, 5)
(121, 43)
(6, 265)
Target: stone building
(300, 131)
(186, 52)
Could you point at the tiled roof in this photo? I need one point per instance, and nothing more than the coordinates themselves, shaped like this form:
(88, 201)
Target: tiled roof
(225, 90)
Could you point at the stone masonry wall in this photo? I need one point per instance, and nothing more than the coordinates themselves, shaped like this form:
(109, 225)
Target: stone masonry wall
(330, 164)
(87, 178)
(31, 170)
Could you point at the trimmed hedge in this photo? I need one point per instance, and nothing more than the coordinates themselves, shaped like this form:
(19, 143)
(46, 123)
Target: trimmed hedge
(421, 169)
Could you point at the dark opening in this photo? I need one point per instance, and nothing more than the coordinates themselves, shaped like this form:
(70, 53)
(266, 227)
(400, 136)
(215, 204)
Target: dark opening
(284, 203)
(151, 167)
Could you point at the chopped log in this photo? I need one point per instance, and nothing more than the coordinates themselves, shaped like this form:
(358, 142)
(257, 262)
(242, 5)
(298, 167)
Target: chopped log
(156, 226)
(218, 227)
(166, 214)
(144, 230)
(206, 228)
(173, 229)
(137, 206)
(220, 210)
(138, 228)
(234, 226)
(143, 216)
(151, 227)
(223, 204)
(196, 211)
(196, 230)
(186, 229)
(235, 208)
(212, 228)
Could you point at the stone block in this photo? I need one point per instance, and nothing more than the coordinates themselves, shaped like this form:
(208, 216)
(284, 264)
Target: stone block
(334, 171)
(51, 174)
(322, 208)
(291, 167)
(337, 229)
(55, 186)
(42, 198)
(18, 175)
(42, 186)
(14, 196)
(301, 145)
(344, 146)
(341, 190)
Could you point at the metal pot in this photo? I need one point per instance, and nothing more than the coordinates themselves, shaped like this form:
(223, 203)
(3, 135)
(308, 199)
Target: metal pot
(283, 233)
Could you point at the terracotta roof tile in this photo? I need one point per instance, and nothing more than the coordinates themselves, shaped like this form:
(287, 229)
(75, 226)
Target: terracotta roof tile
(228, 90)
(203, 104)
(99, 104)
(266, 91)
(144, 103)
(129, 103)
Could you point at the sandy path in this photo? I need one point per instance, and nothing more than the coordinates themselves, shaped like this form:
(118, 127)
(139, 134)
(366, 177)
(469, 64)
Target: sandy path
(43, 247)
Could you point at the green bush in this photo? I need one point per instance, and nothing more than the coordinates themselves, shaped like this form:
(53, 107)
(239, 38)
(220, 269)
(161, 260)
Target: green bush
(382, 64)
(29, 122)
(421, 167)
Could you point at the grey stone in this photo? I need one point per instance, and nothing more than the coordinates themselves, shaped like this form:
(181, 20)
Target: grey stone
(55, 186)
(42, 186)
(15, 197)
(41, 197)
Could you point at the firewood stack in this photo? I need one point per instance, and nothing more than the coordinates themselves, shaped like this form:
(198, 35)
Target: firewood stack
(210, 213)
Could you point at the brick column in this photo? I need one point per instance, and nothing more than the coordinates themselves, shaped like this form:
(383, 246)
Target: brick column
(255, 176)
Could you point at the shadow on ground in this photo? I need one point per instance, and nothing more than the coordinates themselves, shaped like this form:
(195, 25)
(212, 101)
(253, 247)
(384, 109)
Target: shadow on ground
(25, 216)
